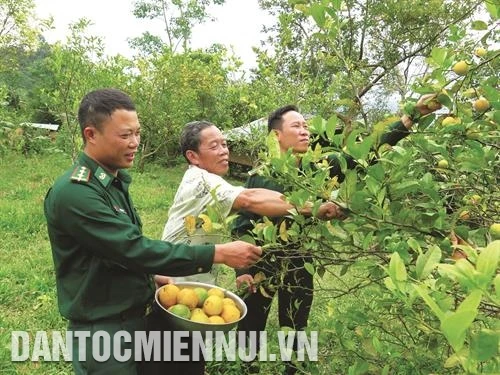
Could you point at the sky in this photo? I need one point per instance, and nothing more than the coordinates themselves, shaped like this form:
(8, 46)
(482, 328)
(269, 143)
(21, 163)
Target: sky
(238, 24)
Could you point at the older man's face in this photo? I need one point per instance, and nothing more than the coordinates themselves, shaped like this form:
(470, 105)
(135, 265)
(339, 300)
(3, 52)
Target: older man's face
(213, 154)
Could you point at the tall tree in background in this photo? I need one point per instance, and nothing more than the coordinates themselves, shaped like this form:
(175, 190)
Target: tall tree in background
(78, 66)
(21, 44)
(172, 89)
(18, 31)
(178, 17)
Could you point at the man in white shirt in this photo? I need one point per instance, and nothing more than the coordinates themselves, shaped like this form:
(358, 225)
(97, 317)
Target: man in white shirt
(205, 148)
(192, 198)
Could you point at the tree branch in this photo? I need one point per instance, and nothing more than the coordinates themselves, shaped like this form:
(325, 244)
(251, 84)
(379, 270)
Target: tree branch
(364, 90)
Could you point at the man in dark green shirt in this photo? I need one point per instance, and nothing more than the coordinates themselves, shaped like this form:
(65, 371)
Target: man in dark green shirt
(284, 267)
(103, 262)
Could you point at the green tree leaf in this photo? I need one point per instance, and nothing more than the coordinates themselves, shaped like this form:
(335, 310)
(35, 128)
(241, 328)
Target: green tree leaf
(309, 268)
(471, 302)
(445, 100)
(427, 262)
(455, 326)
(438, 55)
(487, 261)
(318, 13)
(331, 126)
(423, 292)
(358, 150)
(273, 146)
(493, 9)
(479, 25)
(397, 270)
(484, 345)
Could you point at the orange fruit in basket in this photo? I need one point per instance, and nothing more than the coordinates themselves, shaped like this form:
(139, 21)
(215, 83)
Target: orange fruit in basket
(202, 295)
(180, 310)
(212, 305)
(198, 315)
(228, 301)
(216, 319)
(168, 295)
(230, 313)
(187, 297)
(216, 292)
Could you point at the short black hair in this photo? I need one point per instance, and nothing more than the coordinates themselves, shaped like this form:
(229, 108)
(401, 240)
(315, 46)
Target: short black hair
(190, 136)
(274, 120)
(98, 105)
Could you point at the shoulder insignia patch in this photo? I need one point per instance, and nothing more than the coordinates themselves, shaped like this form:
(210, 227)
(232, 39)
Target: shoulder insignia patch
(81, 174)
(102, 177)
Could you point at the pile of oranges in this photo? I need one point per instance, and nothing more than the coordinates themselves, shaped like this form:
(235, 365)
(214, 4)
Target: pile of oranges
(199, 304)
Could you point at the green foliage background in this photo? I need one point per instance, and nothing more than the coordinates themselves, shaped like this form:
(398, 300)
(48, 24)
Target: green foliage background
(391, 294)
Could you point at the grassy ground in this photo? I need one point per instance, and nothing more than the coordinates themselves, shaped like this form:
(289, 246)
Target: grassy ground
(28, 299)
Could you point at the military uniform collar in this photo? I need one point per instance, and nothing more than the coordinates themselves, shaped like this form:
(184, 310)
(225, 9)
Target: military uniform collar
(102, 175)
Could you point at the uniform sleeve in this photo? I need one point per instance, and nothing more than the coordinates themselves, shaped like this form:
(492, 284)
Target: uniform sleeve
(83, 213)
(397, 131)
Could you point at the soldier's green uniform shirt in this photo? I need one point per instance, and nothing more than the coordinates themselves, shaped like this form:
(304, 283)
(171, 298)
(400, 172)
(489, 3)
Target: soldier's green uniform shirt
(102, 260)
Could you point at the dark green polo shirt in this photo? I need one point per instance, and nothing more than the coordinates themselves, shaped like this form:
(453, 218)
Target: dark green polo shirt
(102, 260)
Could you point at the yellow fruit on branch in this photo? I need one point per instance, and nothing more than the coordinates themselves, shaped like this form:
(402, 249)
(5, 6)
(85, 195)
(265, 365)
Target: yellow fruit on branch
(475, 199)
(449, 120)
(464, 215)
(473, 134)
(461, 68)
(495, 231)
(481, 105)
(470, 93)
(443, 164)
(433, 105)
(480, 52)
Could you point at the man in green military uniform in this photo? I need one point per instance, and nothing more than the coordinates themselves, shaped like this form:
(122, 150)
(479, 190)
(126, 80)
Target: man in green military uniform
(102, 260)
